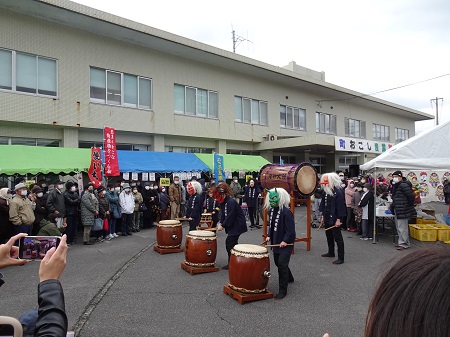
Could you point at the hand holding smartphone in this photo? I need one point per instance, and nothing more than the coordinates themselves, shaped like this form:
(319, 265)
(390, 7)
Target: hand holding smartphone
(35, 247)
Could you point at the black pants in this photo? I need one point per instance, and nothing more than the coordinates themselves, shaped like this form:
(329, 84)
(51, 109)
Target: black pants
(230, 242)
(127, 220)
(252, 215)
(284, 273)
(351, 223)
(335, 235)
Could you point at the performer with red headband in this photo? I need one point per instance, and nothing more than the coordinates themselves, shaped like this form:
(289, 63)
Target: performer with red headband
(195, 203)
(232, 217)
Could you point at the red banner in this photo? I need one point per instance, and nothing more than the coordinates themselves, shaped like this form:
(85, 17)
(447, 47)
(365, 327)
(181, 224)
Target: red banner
(111, 160)
(95, 170)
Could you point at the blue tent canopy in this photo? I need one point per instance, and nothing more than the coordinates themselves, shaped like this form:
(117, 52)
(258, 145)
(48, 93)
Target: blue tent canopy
(148, 161)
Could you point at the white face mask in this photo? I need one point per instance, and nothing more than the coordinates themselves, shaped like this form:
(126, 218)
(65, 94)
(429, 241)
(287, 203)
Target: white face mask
(60, 187)
(9, 196)
(395, 179)
(117, 189)
(121, 184)
(342, 177)
(147, 187)
(163, 190)
(23, 192)
(103, 192)
(176, 182)
(155, 187)
(134, 191)
(43, 185)
(40, 194)
(352, 185)
(363, 180)
(73, 188)
(365, 189)
(235, 180)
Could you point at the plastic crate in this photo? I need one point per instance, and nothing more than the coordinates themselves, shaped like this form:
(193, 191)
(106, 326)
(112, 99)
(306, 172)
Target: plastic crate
(443, 231)
(422, 232)
(425, 221)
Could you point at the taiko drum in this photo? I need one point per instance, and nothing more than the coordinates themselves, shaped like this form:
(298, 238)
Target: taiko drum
(200, 249)
(292, 177)
(249, 269)
(169, 234)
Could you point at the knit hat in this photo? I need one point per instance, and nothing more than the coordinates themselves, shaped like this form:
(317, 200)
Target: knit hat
(398, 173)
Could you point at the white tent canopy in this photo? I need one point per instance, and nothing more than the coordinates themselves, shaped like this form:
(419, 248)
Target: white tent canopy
(429, 150)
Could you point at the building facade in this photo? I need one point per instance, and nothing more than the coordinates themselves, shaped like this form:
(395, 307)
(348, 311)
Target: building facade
(67, 71)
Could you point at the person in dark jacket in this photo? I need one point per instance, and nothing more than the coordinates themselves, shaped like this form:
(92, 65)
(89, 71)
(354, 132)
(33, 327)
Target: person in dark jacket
(55, 201)
(212, 206)
(164, 203)
(281, 232)
(333, 211)
(72, 202)
(402, 207)
(148, 195)
(49, 228)
(6, 227)
(194, 206)
(113, 198)
(368, 212)
(251, 195)
(232, 217)
(40, 211)
(104, 211)
(446, 183)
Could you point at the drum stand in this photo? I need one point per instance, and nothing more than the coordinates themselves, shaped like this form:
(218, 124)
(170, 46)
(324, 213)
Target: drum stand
(198, 270)
(242, 298)
(167, 250)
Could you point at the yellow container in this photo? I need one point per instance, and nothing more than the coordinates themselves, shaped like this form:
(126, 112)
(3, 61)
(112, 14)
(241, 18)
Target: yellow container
(443, 231)
(425, 221)
(422, 232)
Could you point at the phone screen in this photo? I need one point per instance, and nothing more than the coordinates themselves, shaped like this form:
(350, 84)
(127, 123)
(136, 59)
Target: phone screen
(35, 247)
(6, 330)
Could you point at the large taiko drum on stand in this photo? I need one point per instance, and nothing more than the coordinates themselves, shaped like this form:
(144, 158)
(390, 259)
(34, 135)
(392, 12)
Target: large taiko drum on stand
(249, 269)
(169, 234)
(292, 177)
(200, 249)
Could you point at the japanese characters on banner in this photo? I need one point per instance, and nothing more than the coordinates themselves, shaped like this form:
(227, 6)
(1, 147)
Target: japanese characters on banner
(95, 170)
(111, 160)
(164, 182)
(360, 145)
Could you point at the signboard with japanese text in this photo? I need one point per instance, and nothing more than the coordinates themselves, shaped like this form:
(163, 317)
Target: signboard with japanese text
(111, 159)
(95, 170)
(360, 145)
(144, 176)
(164, 181)
(219, 173)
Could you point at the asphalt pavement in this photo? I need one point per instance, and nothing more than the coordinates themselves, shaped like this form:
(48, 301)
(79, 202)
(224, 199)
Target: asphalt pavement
(123, 287)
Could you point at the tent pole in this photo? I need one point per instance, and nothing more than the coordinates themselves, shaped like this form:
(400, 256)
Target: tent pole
(374, 235)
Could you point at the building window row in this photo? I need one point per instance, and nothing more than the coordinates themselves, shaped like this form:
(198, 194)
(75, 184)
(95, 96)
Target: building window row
(28, 73)
(119, 146)
(195, 101)
(292, 118)
(401, 135)
(381, 132)
(29, 141)
(248, 110)
(116, 88)
(181, 149)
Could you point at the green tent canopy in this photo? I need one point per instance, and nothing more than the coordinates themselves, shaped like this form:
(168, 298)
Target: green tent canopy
(235, 162)
(21, 159)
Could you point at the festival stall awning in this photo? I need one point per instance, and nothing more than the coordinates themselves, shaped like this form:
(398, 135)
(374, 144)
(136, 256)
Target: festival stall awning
(163, 162)
(234, 162)
(21, 159)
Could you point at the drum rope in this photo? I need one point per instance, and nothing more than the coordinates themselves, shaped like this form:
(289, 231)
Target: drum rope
(246, 291)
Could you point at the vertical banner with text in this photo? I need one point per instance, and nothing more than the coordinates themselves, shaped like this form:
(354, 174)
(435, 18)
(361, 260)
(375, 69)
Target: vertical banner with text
(95, 170)
(109, 146)
(219, 169)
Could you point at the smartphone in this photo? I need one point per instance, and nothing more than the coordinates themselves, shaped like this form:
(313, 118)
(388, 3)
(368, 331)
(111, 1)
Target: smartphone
(10, 327)
(35, 247)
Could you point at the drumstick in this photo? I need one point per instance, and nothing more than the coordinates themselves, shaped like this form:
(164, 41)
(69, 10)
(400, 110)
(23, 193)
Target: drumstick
(330, 227)
(211, 229)
(278, 245)
(182, 219)
(320, 226)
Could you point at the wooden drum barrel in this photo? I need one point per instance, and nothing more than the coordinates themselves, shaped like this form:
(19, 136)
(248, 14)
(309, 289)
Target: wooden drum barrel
(200, 249)
(169, 234)
(292, 177)
(249, 269)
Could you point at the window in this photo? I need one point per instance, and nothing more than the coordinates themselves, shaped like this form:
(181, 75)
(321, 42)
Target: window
(325, 123)
(30, 142)
(195, 101)
(292, 118)
(187, 149)
(31, 74)
(401, 135)
(355, 128)
(381, 132)
(247, 110)
(115, 88)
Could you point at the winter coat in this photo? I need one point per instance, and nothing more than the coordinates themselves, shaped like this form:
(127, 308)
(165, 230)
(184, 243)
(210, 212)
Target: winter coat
(89, 205)
(164, 201)
(113, 198)
(403, 200)
(175, 193)
(318, 192)
(21, 211)
(251, 196)
(55, 202)
(72, 202)
(40, 211)
(284, 230)
(338, 208)
(368, 206)
(137, 201)
(194, 209)
(349, 191)
(232, 217)
(5, 225)
(446, 186)
(236, 188)
(103, 207)
(356, 198)
(48, 228)
(126, 201)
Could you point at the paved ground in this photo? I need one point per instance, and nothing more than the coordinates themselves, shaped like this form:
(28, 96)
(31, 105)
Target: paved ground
(124, 288)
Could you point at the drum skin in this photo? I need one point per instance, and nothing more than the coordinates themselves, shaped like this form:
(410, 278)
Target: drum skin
(169, 234)
(292, 177)
(248, 271)
(200, 249)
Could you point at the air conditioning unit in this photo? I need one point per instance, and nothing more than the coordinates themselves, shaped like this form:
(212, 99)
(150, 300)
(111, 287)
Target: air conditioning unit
(272, 137)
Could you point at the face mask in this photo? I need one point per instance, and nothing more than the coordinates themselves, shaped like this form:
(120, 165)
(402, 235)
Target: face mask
(213, 182)
(134, 191)
(365, 189)
(44, 185)
(155, 187)
(56, 220)
(121, 184)
(274, 198)
(176, 182)
(190, 189)
(147, 187)
(103, 192)
(235, 181)
(342, 177)
(40, 194)
(73, 188)
(163, 190)
(133, 184)
(23, 192)
(127, 190)
(363, 180)
(352, 185)
(90, 189)
(9, 196)
(60, 187)
(395, 180)
(117, 189)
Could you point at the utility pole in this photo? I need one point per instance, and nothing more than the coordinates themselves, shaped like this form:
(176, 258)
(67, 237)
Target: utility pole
(436, 101)
(237, 39)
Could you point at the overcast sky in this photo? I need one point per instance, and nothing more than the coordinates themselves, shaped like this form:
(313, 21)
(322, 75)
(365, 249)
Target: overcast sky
(363, 45)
